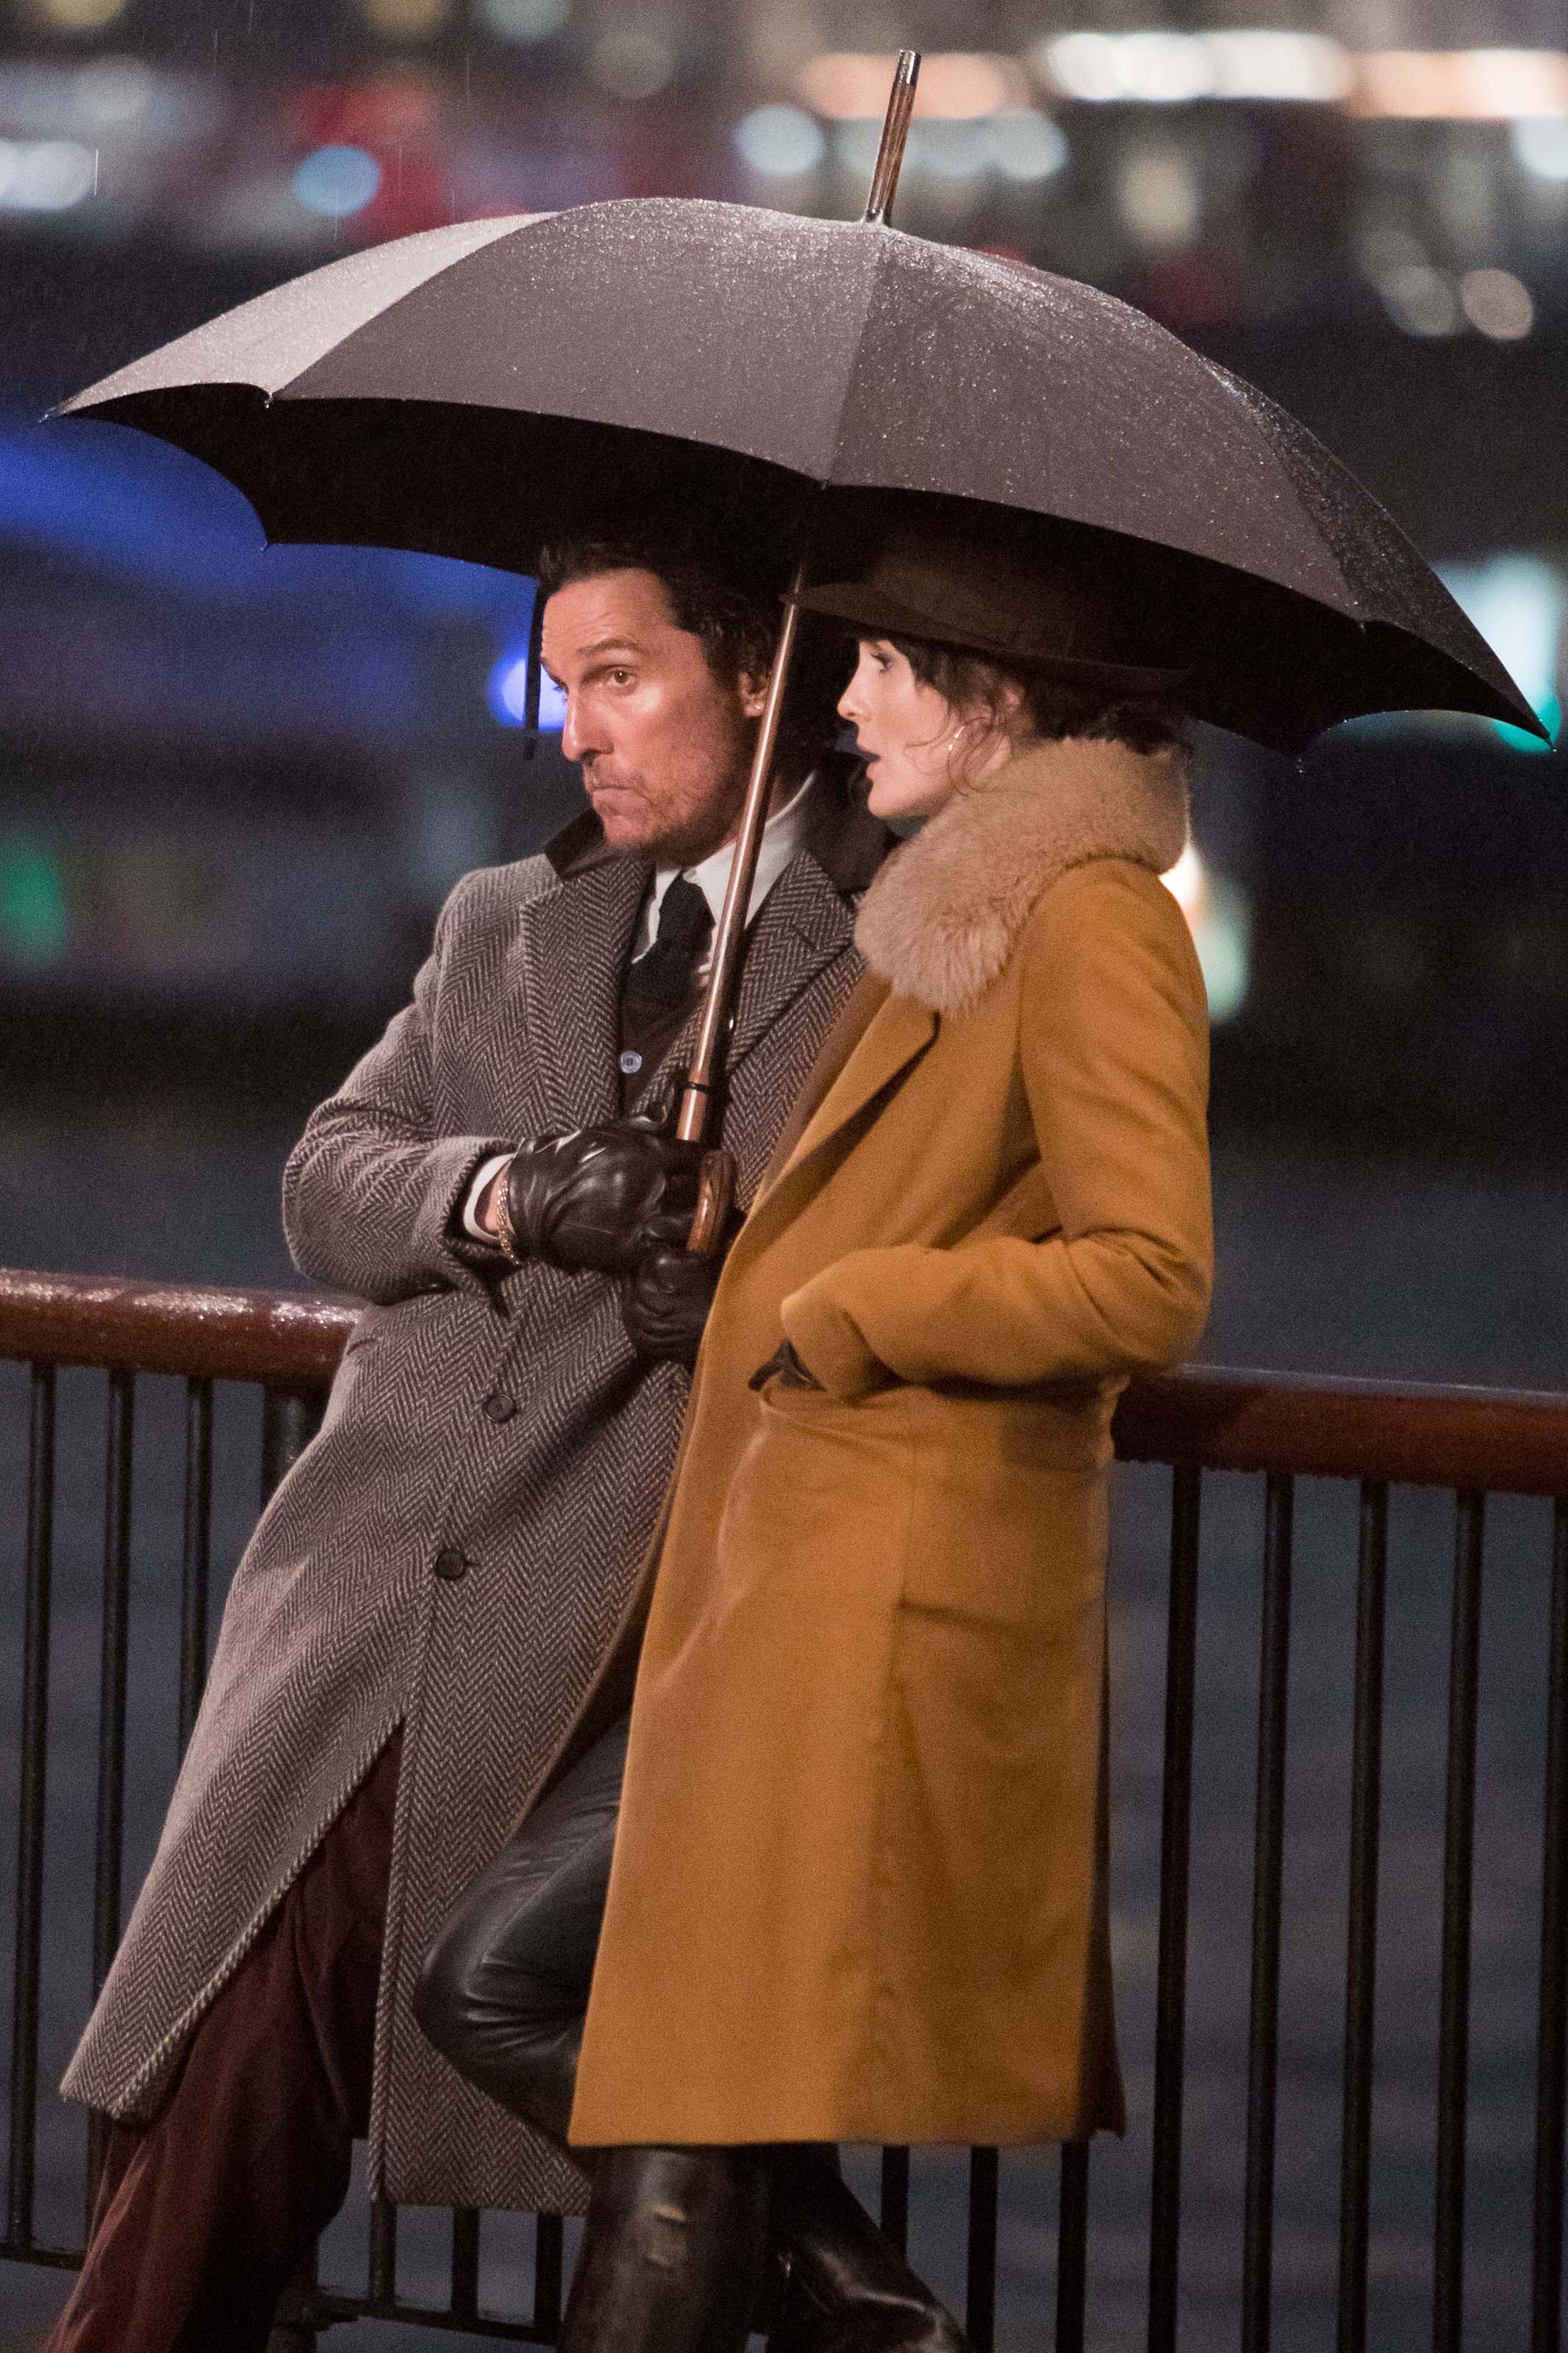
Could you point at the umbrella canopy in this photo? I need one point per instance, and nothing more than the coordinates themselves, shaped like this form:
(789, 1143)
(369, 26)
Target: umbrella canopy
(475, 390)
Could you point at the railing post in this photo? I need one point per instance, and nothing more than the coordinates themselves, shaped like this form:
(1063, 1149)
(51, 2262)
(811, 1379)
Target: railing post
(31, 1795)
(895, 2201)
(1269, 1841)
(289, 1419)
(1176, 1850)
(1361, 1943)
(1459, 1861)
(465, 2296)
(1552, 2037)
(549, 2265)
(1072, 2247)
(980, 2289)
(195, 1556)
(109, 1838)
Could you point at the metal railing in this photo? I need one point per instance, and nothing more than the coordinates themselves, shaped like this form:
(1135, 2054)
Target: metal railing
(1473, 1442)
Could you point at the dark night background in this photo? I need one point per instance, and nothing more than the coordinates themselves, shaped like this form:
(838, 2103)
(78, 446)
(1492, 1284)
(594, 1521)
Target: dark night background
(236, 784)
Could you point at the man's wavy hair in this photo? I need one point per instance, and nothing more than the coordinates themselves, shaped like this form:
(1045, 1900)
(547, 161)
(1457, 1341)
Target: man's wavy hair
(735, 619)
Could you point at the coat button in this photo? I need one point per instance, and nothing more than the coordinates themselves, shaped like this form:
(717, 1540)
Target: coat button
(631, 1062)
(450, 1565)
(498, 1405)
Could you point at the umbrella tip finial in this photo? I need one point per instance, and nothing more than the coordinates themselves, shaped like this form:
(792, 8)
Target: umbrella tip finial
(895, 132)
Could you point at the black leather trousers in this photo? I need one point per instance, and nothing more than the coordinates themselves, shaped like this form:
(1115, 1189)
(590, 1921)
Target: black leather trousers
(672, 2255)
(503, 1994)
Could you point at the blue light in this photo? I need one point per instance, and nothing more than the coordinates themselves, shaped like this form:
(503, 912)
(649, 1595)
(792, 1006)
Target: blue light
(337, 181)
(507, 689)
(1520, 605)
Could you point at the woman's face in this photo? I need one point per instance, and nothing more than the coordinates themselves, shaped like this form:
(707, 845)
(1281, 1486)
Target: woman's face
(918, 749)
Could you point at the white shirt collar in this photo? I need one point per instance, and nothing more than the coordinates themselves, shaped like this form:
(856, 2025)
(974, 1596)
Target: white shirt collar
(782, 838)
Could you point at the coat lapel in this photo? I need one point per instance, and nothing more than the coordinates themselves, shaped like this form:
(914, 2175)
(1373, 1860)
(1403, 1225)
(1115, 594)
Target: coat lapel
(802, 924)
(572, 951)
(897, 1030)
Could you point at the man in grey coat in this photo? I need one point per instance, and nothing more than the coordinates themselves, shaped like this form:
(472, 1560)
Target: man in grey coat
(430, 1592)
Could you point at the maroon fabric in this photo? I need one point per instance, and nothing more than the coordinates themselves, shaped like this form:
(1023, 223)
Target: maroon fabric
(204, 2214)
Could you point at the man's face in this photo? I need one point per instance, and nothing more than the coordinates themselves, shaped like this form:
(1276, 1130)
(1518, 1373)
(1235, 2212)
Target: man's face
(662, 744)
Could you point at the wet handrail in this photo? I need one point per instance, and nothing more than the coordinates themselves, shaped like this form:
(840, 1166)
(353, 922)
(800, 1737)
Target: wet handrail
(1512, 1441)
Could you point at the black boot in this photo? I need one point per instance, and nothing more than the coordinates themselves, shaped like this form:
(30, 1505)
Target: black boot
(849, 2289)
(672, 2255)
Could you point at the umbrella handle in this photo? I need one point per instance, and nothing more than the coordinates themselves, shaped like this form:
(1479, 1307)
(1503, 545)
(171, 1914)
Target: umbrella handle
(715, 1199)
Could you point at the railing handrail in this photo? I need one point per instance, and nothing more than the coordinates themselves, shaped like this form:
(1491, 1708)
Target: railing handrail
(1512, 1441)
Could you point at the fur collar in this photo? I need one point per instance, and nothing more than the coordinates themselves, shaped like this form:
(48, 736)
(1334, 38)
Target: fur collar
(939, 920)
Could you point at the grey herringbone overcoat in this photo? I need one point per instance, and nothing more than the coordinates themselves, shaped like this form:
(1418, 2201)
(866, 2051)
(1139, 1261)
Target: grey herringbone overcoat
(503, 1419)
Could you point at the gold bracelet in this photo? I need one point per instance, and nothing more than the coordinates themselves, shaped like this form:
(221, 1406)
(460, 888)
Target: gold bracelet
(505, 1235)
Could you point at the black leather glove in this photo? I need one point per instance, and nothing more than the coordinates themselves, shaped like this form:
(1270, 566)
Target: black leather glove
(664, 1300)
(589, 1197)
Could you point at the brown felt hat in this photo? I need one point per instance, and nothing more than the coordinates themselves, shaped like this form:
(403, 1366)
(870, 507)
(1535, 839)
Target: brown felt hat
(953, 591)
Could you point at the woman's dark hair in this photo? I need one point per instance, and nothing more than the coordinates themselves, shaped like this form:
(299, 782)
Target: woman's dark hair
(735, 620)
(1056, 708)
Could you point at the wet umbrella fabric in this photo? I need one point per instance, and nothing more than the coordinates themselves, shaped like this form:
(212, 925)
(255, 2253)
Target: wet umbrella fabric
(472, 391)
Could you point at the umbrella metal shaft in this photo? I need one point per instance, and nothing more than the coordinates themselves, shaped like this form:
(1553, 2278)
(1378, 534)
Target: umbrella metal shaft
(696, 1102)
(695, 1113)
(895, 132)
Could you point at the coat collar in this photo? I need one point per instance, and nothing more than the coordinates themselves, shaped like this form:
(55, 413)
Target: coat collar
(941, 918)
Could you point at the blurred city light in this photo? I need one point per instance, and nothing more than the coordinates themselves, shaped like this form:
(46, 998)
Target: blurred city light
(337, 181)
(845, 84)
(780, 142)
(1420, 299)
(33, 923)
(1496, 303)
(1157, 196)
(406, 20)
(523, 20)
(1025, 145)
(115, 89)
(1541, 144)
(1301, 67)
(1462, 85)
(1219, 917)
(79, 15)
(44, 175)
(1172, 69)
(632, 64)
(507, 693)
(1519, 604)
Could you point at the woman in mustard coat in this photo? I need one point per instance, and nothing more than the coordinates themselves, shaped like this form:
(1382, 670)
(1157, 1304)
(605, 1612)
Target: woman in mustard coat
(858, 1884)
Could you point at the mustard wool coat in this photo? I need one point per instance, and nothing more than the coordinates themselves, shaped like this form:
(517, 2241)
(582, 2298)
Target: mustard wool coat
(859, 1885)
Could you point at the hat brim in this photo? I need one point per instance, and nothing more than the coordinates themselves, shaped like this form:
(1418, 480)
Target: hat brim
(871, 611)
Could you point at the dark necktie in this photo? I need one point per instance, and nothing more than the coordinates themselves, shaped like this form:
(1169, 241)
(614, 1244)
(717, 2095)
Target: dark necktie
(666, 974)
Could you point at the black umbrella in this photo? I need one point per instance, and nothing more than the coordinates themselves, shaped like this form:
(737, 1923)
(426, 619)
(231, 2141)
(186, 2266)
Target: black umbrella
(472, 391)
